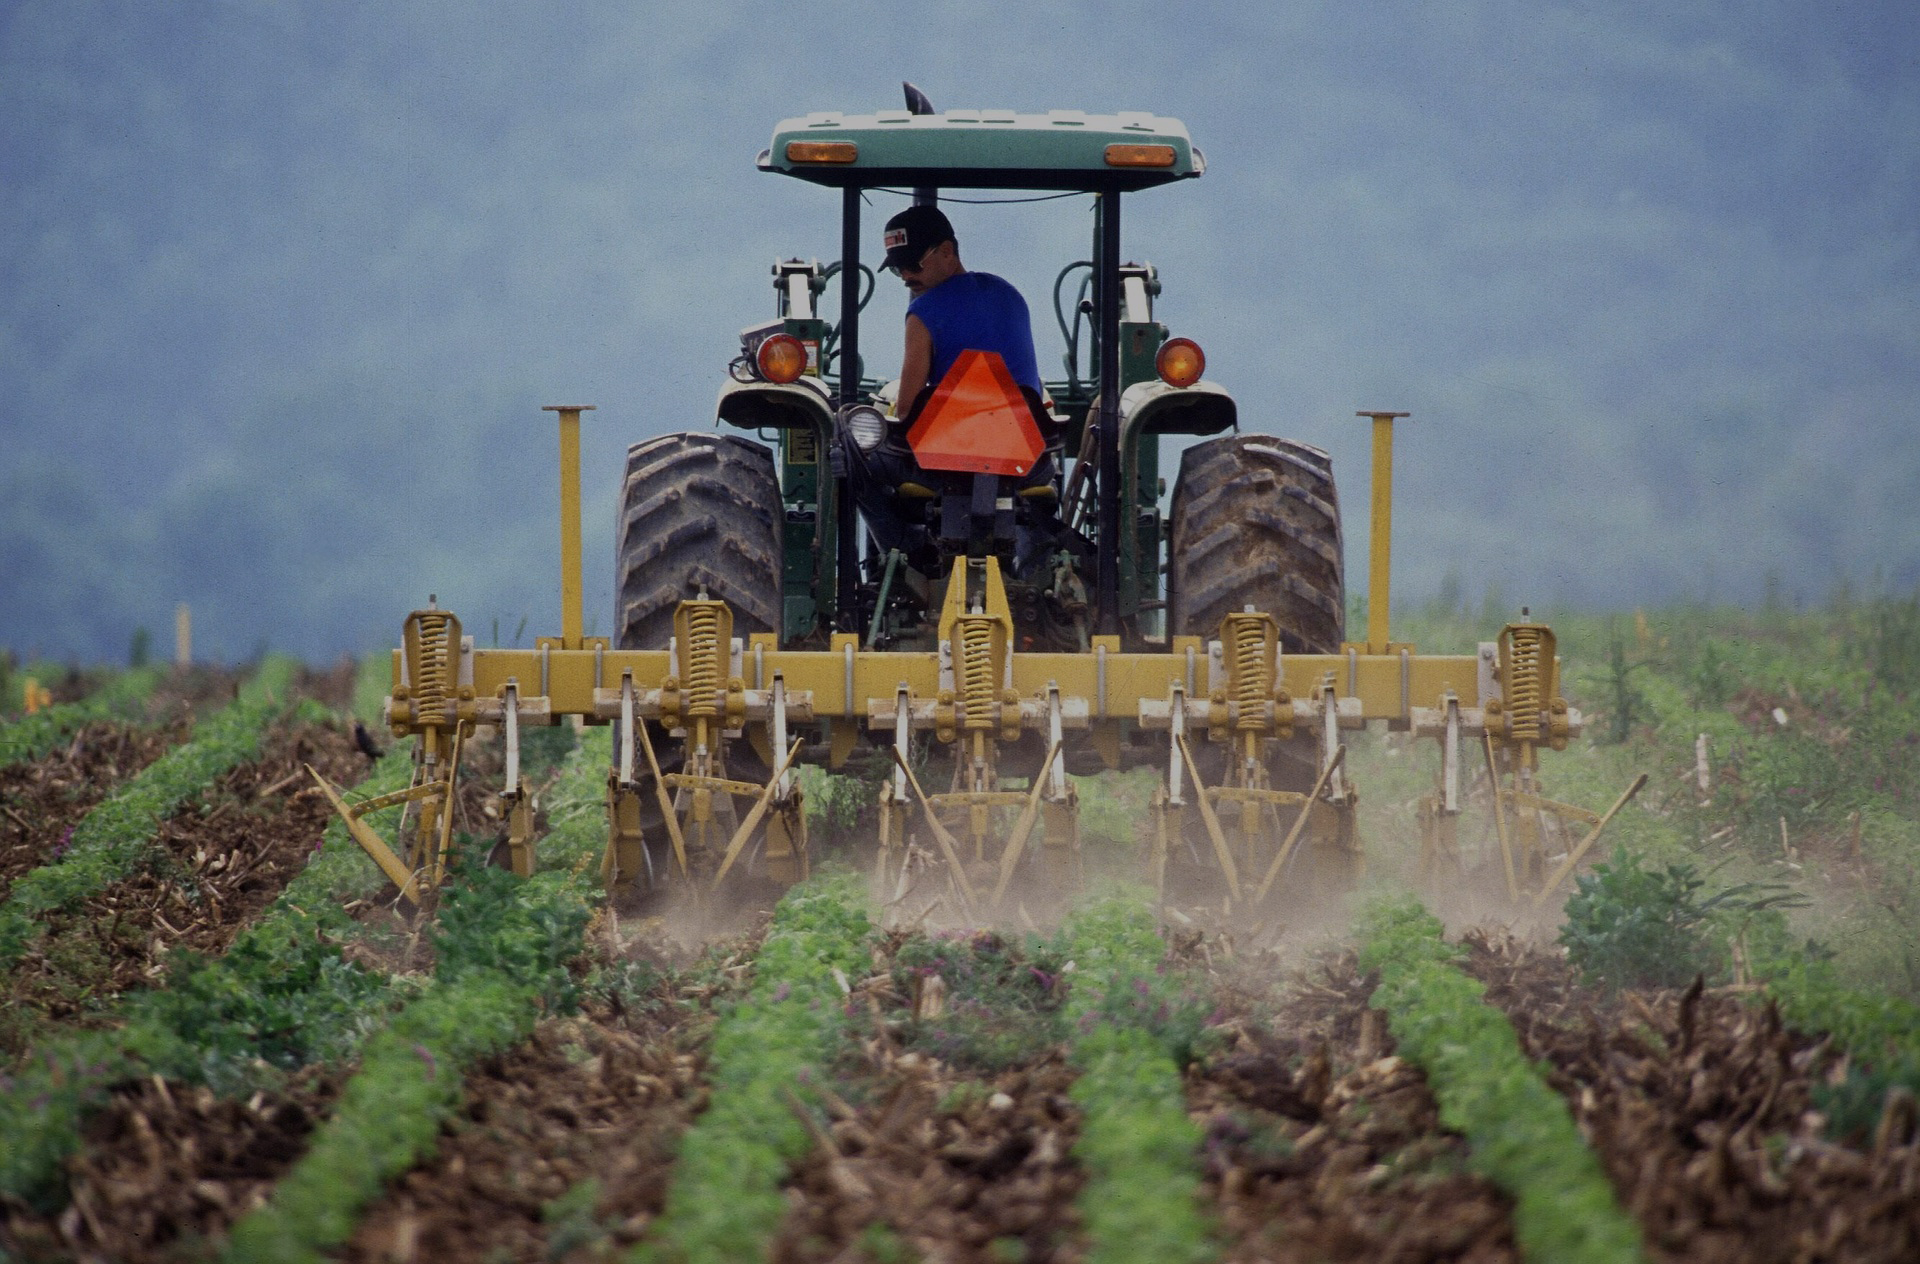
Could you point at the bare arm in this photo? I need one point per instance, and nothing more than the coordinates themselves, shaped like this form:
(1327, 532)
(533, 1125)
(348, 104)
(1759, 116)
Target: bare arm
(915, 364)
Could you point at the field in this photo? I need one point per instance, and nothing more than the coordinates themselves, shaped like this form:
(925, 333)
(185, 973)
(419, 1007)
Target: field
(221, 1039)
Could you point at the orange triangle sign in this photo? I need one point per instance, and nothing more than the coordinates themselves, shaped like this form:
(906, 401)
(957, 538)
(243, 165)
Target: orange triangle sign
(977, 421)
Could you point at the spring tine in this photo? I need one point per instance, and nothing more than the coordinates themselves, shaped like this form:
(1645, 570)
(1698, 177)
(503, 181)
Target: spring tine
(666, 803)
(1023, 827)
(947, 844)
(1299, 823)
(1500, 819)
(1212, 822)
(752, 821)
(1573, 857)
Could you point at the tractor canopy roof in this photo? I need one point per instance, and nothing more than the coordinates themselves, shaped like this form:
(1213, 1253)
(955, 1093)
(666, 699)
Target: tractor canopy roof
(985, 149)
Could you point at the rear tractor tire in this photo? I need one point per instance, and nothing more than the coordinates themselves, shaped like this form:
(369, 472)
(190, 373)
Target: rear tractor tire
(1256, 521)
(699, 512)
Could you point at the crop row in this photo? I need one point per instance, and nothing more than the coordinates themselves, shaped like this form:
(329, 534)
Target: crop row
(282, 996)
(110, 839)
(1130, 1029)
(501, 948)
(1519, 1129)
(725, 1201)
(31, 736)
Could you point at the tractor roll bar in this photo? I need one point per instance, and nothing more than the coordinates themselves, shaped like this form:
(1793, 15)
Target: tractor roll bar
(846, 519)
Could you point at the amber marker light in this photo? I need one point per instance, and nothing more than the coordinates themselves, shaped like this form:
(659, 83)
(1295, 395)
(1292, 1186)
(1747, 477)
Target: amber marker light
(782, 358)
(1140, 155)
(822, 151)
(1180, 362)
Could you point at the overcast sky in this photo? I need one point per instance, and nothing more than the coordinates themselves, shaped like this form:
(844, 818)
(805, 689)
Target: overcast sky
(283, 285)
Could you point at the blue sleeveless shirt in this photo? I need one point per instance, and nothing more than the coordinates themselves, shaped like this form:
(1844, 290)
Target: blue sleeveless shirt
(977, 311)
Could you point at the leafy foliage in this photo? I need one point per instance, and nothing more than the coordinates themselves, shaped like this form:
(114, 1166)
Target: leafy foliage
(281, 996)
(1632, 925)
(388, 1115)
(1519, 1130)
(1880, 1033)
(1136, 1142)
(491, 921)
(725, 1202)
(502, 949)
(1893, 643)
(1003, 998)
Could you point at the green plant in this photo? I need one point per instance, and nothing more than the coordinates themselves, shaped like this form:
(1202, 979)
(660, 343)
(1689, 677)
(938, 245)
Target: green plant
(1136, 1142)
(1631, 925)
(389, 1113)
(282, 995)
(884, 1245)
(502, 947)
(1711, 676)
(571, 1222)
(725, 1201)
(1003, 998)
(1520, 1133)
(1881, 1034)
(1625, 704)
(1893, 643)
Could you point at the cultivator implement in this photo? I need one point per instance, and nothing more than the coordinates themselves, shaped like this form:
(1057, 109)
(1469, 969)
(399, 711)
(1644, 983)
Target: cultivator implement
(977, 717)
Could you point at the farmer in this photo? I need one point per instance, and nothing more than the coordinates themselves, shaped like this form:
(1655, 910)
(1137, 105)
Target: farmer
(952, 309)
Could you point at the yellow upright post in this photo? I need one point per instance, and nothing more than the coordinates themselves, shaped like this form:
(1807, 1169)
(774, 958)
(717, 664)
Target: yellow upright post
(571, 604)
(182, 636)
(1380, 555)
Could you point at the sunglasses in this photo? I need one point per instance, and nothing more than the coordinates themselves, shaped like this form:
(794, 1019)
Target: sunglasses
(901, 269)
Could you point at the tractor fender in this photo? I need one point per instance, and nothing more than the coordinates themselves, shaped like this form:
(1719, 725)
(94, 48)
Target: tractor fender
(775, 406)
(1157, 408)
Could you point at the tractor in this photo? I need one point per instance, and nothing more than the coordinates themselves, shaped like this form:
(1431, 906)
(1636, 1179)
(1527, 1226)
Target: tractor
(1045, 618)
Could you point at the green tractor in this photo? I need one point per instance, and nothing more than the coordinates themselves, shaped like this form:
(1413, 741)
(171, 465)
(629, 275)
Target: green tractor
(770, 527)
(766, 521)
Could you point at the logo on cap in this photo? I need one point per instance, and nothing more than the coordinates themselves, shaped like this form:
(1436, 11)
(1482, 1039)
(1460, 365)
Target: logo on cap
(895, 238)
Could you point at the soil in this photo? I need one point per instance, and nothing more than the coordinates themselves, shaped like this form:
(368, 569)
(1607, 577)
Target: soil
(1700, 1105)
(1323, 1146)
(222, 859)
(41, 801)
(166, 1168)
(332, 686)
(199, 689)
(960, 1169)
(1319, 1143)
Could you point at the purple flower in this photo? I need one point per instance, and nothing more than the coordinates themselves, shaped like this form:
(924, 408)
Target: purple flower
(782, 992)
(66, 841)
(426, 1056)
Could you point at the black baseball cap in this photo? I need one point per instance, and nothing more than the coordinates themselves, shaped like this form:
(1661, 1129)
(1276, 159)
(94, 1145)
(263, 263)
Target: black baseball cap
(912, 233)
